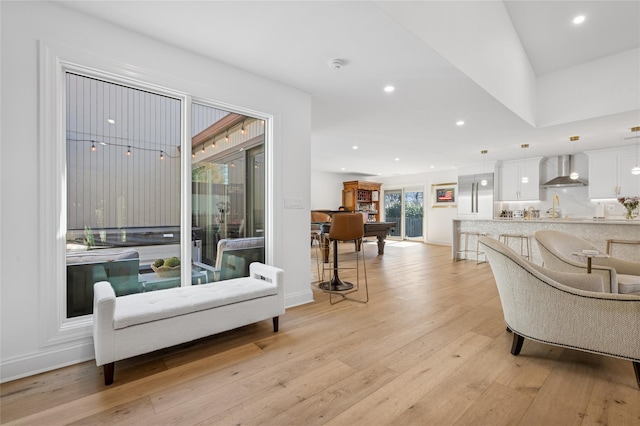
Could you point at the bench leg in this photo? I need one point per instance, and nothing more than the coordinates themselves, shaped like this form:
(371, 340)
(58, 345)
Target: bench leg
(108, 373)
(276, 321)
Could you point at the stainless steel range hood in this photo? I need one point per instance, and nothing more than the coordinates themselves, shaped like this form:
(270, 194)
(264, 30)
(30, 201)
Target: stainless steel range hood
(563, 180)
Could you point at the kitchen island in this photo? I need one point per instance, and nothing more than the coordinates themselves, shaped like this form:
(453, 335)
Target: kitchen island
(597, 232)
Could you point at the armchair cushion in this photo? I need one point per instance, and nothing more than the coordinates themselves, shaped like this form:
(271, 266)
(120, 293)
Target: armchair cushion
(629, 284)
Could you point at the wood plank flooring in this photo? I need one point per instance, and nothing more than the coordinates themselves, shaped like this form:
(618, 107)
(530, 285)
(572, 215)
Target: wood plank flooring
(430, 348)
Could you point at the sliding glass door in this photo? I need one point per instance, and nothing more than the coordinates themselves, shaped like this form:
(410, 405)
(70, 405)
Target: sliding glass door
(405, 207)
(393, 211)
(413, 213)
(125, 153)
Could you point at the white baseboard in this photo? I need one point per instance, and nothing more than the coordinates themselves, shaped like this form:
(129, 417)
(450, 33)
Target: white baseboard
(297, 299)
(46, 360)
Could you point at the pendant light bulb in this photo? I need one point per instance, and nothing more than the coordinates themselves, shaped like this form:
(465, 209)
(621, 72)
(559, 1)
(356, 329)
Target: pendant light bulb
(93, 146)
(636, 169)
(574, 175)
(483, 182)
(524, 179)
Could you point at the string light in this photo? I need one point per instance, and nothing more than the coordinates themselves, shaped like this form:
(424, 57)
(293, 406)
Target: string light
(226, 138)
(161, 155)
(242, 130)
(203, 148)
(129, 148)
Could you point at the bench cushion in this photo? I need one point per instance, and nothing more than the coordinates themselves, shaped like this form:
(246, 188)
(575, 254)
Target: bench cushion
(142, 308)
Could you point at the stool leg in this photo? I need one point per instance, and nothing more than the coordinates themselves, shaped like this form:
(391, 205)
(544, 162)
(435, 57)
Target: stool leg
(478, 251)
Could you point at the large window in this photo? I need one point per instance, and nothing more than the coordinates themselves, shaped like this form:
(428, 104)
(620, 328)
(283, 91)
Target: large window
(124, 209)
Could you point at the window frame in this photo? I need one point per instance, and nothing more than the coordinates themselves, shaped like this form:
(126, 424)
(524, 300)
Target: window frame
(55, 61)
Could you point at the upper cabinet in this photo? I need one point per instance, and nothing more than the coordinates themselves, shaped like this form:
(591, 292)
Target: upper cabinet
(510, 185)
(610, 173)
(362, 196)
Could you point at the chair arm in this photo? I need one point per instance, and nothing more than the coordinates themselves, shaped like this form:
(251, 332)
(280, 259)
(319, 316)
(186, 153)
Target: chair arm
(98, 273)
(621, 266)
(581, 281)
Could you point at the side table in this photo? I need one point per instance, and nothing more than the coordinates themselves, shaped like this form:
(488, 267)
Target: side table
(589, 254)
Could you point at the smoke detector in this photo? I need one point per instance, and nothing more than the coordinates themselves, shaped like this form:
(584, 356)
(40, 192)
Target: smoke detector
(336, 64)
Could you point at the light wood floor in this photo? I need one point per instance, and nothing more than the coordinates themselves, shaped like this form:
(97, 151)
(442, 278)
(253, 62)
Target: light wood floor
(430, 348)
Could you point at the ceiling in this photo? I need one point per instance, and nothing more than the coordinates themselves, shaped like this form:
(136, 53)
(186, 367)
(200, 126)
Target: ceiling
(411, 130)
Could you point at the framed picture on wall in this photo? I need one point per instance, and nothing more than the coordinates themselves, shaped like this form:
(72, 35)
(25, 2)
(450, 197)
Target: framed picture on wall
(444, 194)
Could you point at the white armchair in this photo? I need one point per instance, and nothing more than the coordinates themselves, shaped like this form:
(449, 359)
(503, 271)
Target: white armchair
(564, 309)
(620, 276)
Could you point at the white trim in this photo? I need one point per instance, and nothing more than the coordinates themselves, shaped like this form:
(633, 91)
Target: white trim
(46, 360)
(299, 298)
(55, 61)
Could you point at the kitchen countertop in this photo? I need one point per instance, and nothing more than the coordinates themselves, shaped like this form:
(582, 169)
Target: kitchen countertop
(563, 221)
(596, 231)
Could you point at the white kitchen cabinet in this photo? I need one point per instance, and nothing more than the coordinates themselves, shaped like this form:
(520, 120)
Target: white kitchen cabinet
(510, 186)
(610, 173)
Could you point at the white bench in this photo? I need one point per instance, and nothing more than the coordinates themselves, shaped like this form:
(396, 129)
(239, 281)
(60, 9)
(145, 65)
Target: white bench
(135, 324)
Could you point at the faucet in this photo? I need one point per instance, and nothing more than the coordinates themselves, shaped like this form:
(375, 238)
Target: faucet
(553, 206)
(530, 213)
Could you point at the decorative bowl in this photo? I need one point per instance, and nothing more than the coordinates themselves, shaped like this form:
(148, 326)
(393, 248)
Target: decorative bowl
(166, 271)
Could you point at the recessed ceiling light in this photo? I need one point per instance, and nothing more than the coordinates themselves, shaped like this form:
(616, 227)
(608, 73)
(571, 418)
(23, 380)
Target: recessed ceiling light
(354, 147)
(389, 89)
(111, 121)
(343, 169)
(459, 123)
(432, 166)
(578, 19)
(397, 159)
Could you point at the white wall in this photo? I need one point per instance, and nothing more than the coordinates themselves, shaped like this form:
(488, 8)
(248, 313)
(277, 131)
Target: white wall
(480, 41)
(326, 190)
(24, 24)
(602, 87)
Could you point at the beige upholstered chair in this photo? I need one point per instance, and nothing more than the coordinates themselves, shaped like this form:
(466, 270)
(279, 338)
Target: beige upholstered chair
(620, 276)
(563, 309)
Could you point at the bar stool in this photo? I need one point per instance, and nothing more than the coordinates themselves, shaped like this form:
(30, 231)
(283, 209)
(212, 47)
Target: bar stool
(524, 243)
(318, 222)
(345, 227)
(466, 249)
